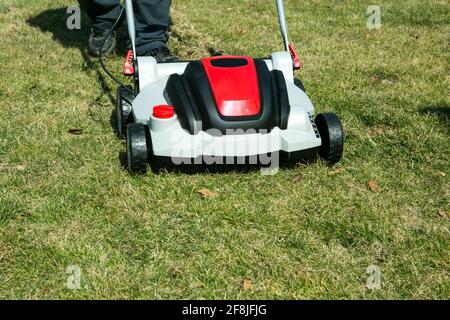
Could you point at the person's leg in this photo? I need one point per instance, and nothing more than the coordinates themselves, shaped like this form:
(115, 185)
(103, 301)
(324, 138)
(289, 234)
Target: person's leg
(152, 22)
(103, 14)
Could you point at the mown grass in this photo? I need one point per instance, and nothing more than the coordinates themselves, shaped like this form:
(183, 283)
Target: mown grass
(307, 232)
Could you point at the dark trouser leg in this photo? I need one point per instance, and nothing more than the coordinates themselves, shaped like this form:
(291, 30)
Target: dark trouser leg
(102, 12)
(152, 22)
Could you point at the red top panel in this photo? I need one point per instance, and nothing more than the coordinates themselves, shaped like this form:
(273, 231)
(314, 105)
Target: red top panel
(234, 83)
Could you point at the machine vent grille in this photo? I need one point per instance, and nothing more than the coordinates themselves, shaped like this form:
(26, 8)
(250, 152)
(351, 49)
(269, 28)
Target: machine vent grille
(313, 123)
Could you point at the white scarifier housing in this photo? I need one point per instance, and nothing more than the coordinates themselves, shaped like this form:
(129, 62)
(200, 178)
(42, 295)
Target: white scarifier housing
(222, 108)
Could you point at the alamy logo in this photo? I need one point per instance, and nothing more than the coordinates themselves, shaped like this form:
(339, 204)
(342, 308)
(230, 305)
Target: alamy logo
(74, 20)
(74, 278)
(374, 19)
(374, 280)
(235, 147)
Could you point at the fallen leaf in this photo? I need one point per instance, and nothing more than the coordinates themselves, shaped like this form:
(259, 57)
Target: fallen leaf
(247, 284)
(442, 174)
(297, 179)
(206, 193)
(21, 167)
(376, 132)
(75, 131)
(175, 272)
(373, 185)
(335, 172)
(444, 214)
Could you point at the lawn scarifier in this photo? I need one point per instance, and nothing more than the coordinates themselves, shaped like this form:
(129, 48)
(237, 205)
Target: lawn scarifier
(225, 107)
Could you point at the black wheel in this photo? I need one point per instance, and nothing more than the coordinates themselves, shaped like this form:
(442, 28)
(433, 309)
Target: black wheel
(330, 129)
(137, 147)
(124, 99)
(299, 84)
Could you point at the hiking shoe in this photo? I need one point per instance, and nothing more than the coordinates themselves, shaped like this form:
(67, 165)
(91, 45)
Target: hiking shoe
(162, 55)
(97, 41)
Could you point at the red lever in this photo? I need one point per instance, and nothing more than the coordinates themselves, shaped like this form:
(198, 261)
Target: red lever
(128, 68)
(295, 58)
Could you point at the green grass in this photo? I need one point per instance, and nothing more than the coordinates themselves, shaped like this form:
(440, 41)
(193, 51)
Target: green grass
(65, 199)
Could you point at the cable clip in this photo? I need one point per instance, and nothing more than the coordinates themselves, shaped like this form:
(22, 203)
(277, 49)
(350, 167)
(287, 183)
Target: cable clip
(128, 68)
(295, 58)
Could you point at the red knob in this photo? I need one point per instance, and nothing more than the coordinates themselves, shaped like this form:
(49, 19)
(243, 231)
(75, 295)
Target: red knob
(163, 112)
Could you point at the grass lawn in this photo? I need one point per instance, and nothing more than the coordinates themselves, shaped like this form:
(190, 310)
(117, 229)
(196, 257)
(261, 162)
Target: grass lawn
(307, 232)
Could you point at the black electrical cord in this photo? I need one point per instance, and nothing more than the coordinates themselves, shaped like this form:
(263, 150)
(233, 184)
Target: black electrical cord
(100, 56)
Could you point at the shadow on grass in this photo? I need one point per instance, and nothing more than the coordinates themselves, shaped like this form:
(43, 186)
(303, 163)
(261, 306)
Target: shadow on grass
(158, 166)
(441, 111)
(54, 21)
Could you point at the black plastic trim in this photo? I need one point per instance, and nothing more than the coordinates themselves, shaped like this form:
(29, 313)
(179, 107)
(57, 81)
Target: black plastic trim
(306, 155)
(281, 98)
(184, 104)
(192, 96)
